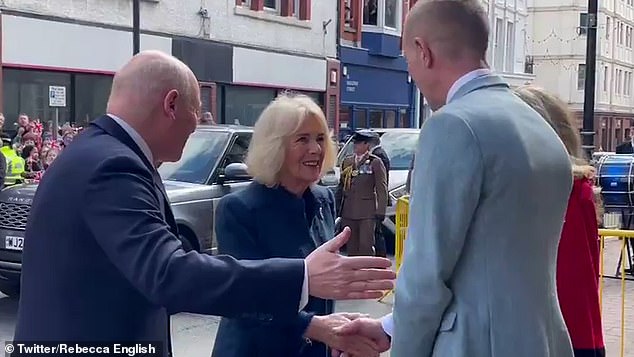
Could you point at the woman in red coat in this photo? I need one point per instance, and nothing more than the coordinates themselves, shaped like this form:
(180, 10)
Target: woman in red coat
(578, 255)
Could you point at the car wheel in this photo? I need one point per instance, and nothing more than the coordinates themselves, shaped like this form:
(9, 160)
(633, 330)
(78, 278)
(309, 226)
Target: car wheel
(10, 289)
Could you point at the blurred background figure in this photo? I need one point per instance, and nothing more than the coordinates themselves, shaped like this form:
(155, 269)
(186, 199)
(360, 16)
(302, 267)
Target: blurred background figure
(579, 250)
(207, 119)
(284, 214)
(627, 147)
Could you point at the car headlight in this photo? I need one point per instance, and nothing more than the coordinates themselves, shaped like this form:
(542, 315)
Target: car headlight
(398, 192)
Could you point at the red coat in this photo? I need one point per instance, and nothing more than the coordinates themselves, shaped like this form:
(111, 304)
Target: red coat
(578, 269)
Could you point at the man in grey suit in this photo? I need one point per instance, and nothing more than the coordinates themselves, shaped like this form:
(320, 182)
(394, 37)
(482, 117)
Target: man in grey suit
(490, 188)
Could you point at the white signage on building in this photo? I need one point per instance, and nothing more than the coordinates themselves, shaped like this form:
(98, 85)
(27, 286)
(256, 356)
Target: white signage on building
(56, 96)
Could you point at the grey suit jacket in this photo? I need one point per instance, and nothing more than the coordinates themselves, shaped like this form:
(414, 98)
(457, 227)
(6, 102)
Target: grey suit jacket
(490, 189)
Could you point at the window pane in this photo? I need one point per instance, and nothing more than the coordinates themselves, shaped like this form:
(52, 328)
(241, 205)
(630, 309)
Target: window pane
(238, 151)
(376, 119)
(91, 96)
(205, 99)
(200, 155)
(390, 119)
(403, 121)
(243, 105)
(370, 12)
(26, 91)
(581, 76)
(391, 9)
(270, 4)
(360, 120)
(400, 148)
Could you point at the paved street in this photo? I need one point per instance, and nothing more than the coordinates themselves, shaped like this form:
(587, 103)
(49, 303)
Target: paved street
(194, 334)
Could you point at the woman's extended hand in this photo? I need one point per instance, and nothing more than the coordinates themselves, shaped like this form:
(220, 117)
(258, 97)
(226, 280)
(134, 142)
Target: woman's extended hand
(323, 329)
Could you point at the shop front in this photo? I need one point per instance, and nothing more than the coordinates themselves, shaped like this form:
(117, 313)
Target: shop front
(32, 63)
(375, 94)
(237, 83)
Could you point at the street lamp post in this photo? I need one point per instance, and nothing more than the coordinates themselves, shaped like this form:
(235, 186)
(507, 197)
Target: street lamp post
(136, 37)
(591, 60)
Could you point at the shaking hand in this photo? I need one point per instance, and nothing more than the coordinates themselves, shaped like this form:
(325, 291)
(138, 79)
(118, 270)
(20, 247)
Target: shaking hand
(324, 329)
(368, 328)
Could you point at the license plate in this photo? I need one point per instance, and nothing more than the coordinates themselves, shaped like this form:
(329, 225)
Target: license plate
(13, 243)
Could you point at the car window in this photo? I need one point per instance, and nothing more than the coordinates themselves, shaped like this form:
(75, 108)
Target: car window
(238, 151)
(399, 146)
(200, 156)
(345, 151)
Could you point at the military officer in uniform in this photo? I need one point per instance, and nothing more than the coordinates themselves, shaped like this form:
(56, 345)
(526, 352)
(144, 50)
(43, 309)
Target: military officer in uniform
(362, 194)
(377, 150)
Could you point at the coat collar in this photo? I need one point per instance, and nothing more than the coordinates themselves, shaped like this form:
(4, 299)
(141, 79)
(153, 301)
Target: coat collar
(484, 81)
(109, 125)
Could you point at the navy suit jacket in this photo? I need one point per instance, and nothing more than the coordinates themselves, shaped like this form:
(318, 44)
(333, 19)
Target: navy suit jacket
(102, 261)
(259, 223)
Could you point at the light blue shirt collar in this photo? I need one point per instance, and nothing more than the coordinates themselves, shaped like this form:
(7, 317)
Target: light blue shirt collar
(136, 137)
(466, 79)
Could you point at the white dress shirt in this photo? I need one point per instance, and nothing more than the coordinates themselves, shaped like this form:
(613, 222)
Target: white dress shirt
(386, 321)
(136, 137)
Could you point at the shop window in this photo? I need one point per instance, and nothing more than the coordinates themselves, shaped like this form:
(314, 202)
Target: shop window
(390, 119)
(243, 105)
(91, 94)
(205, 99)
(317, 97)
(360, 119)
(272, 5)
(26, 91)
(376, 119)
(403, 119)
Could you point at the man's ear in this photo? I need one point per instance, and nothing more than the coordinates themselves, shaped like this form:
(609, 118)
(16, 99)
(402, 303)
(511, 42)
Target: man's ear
(169, 104)
(424, 52)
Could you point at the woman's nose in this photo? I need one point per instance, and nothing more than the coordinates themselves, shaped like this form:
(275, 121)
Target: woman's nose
(314, 147)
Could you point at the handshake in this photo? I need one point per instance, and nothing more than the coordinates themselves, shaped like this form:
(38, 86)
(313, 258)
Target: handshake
(349, 334)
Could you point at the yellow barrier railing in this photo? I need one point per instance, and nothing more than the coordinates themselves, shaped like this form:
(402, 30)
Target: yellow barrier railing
(402, 208)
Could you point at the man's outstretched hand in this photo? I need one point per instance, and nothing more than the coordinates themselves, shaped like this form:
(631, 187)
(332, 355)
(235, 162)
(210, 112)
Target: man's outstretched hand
(333, 276)
(365, 327)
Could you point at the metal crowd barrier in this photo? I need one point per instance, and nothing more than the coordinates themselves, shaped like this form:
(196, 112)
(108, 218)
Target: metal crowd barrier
(402, 208)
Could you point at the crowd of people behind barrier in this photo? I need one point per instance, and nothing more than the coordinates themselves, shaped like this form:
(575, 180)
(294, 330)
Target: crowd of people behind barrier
(31, 147)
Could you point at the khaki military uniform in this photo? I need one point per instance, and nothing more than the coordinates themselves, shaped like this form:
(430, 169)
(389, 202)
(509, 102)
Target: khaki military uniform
(362, 197)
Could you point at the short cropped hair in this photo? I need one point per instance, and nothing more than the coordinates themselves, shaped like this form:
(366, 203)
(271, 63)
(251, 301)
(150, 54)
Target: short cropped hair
(456, 24)
(272, 133)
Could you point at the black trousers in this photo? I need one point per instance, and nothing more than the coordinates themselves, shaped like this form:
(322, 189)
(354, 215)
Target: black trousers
(590, 353)
(379, 241)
